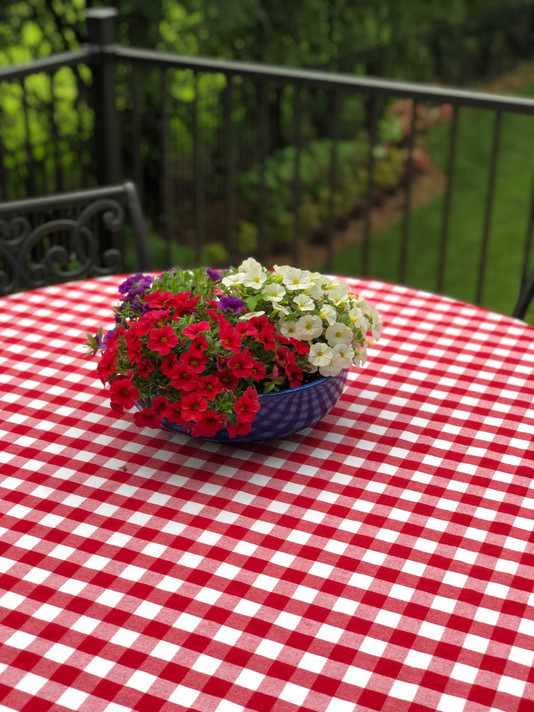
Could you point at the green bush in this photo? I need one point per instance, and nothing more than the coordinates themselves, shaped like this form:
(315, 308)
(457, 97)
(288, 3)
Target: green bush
(246, 241)
(279, 177)
(214, 254)
(164, 256)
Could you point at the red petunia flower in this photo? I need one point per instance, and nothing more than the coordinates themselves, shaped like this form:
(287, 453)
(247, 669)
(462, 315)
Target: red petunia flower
(160, 405)
(158, 298)
(262, 322)
(111, 340)
(196, 329)
(295, 375)
(258, 370)
(168, 363)
(230, 338)
(134, 347)
(173, 413)
(145, 368)
(106, 366)
(162, 340)
(183, 378)
(183, 303)
(194, 359)
(228, 379)
(193, 406)
(216, 316)
(209, 386)
(266, 336)
(199, 343)
(123, 393)
(282, 352)
(241, 364)
(247, 406)
(300, 347)
(222, 362)
(246, 328)
(239, 429)
(167, 300)
(148, 321)
(210, 422)
(147, 418)
(264, 331)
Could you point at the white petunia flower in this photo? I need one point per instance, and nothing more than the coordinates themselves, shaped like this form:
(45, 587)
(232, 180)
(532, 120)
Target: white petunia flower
(315, 292)
(232, 279)
(254, 277)
(308, 327)
(360, 357)
(273, 292)
(304, 303)
(334, 285)
(250, 315)
(346, 354)
(328, 283)
(358, 319)
(280, 271)
(338, 297)
(249, 264)
(320, 355)
(297, 279)
(333, 368)
(279, 310)
(287, 328)
(376, 328)
(338, 333)
(328, 313)
(319, 279)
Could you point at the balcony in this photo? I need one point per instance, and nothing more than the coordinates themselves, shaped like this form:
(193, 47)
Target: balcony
(351, 174)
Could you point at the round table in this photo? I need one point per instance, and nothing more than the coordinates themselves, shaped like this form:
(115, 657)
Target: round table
(381, 560)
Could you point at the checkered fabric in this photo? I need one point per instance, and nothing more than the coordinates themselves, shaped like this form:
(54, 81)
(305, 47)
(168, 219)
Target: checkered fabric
(381, 560)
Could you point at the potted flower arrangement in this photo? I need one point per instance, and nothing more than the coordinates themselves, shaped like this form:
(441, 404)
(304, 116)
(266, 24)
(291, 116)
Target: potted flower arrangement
(202, 351)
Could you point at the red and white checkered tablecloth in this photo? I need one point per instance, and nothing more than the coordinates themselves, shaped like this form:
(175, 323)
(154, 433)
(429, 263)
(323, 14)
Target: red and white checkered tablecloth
(382, 560)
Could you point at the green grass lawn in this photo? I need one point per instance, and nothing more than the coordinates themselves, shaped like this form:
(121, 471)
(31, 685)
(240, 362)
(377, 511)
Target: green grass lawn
(513, 191)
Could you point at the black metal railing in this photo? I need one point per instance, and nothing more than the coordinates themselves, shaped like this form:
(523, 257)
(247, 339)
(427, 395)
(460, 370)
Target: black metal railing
(222, 152)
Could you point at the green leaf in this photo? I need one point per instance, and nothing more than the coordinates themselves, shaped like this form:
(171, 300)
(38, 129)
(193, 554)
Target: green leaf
(252, 302)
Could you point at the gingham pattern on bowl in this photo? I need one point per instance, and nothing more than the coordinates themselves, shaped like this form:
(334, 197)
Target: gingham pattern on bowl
(285, 412)
(379, 560)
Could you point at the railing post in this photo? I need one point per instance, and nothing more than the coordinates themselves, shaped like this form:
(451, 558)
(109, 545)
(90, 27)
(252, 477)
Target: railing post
(102, 34)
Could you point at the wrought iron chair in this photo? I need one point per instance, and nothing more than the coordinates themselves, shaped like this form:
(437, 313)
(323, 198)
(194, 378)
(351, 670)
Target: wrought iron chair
(68, 236)
(526, 295)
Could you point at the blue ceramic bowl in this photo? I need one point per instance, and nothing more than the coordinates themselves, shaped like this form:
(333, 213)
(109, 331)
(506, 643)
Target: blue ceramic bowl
(285, 412)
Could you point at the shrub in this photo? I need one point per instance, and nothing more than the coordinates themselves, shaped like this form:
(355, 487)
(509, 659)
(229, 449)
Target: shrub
(279, 177)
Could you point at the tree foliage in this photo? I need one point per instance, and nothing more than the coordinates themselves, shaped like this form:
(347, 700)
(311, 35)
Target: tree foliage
(328, 34)
(37, 28)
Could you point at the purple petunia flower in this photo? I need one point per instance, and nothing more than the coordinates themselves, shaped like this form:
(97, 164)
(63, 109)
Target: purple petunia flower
(106, 338)
(213, 274)
(134, 286)
(232, 304)
(137, 304)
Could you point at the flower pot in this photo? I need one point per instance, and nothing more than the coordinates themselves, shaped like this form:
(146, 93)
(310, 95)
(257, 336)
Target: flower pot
(284, 412)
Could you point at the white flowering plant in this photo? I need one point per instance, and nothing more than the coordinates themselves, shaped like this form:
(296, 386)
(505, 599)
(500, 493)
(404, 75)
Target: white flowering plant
(197, 348)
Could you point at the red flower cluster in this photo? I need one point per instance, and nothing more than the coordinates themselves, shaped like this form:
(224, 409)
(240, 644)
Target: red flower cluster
(201, 366)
